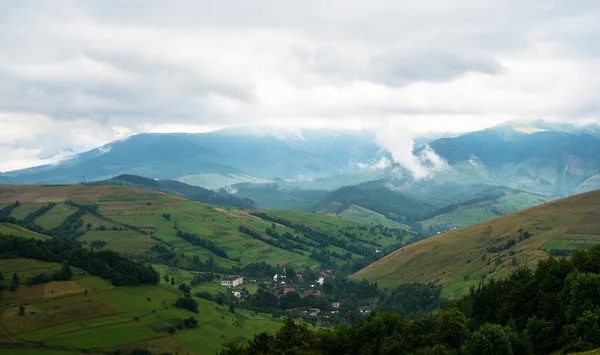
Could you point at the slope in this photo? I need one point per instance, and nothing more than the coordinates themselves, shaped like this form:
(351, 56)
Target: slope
(178, 188)
(461, 258)
(168, 229)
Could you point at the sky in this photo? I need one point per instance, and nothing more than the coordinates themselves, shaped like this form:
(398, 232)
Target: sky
(76, 74)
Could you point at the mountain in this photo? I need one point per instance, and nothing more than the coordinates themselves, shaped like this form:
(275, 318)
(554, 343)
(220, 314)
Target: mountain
(191, 192)
(546, 162)
(168, 156)
(491, 249)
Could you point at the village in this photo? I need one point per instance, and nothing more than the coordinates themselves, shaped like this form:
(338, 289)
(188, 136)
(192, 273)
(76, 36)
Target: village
(299, 297)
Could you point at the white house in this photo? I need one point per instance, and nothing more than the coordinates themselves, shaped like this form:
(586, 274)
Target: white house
(321, 281)
(232, 281)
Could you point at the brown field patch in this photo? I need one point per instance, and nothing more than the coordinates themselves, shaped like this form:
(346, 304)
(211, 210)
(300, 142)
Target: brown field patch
(158, 345)
(62, 288)
(39, 315)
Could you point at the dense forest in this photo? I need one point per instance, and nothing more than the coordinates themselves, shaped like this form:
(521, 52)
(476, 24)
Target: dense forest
(554, 307)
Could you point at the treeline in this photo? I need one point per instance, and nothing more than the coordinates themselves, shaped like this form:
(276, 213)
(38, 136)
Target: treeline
(552, 308)
(68, 229)
(202, 242)
(64, 274)
(107, 264)
(324, 240)
(7, 210)
(30, 218)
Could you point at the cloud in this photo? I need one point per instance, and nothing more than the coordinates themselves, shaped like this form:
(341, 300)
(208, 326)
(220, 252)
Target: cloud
(397, 140)
(85, 72)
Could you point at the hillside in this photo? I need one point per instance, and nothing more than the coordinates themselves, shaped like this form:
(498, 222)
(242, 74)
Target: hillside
(459, 259)
(178, 188)
(133, 220)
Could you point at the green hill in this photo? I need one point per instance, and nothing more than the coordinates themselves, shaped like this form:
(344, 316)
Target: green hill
(459, 259)
(178, 188)
(132, 220)
(182, 240)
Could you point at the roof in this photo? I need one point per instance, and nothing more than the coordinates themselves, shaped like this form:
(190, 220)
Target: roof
(231, 278)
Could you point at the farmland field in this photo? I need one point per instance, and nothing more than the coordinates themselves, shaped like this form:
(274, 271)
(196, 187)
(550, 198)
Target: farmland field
(12, 229)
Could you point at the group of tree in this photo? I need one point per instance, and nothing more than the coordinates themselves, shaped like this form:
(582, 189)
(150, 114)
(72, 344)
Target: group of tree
(552, 308)
(107, 264)
(64, 274)
(186, 301)
(202, 242)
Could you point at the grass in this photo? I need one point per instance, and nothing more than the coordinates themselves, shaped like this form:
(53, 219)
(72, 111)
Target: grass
(482, 211)
(363, 215)
(447, 258)
(13, 229)
(55, 216)
(126, 316)
(143, 209)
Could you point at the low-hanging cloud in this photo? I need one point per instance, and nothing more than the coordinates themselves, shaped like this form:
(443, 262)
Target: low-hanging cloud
(398, 141)
(82, 72)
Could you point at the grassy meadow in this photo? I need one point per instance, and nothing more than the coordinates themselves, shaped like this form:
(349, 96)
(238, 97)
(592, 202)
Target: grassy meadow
(460, 258)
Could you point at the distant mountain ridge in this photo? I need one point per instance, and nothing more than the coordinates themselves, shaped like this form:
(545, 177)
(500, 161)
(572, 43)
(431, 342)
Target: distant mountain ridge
(534, 156)
(169, 156)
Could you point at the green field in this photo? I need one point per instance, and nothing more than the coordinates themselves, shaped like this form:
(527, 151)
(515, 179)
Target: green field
(482, 211)
(131, 220)
(55, 216)
(113, 317)
(459, 258)
(363, 215)
(12, 229)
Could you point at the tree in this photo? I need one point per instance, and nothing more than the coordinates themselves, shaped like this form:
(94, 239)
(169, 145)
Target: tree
(187, 302)
(166, 278)
(490, 339)
(172, 281)
(16, 281)
(231, 308)
(451, 328)
(21, 310)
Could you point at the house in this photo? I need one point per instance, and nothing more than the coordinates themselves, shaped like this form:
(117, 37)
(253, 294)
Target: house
(232, 281)
(318, 293)
(321, 281)
(299, 277)
(307, 292)
(336, 305)
(237, 294)
(288, 289)
(326, 273)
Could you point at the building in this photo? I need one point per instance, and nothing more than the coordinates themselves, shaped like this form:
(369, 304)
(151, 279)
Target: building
(336, 305)
(232, 281)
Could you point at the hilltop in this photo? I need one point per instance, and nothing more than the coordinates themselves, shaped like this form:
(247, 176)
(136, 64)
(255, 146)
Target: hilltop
(459, 259)
(195, 193)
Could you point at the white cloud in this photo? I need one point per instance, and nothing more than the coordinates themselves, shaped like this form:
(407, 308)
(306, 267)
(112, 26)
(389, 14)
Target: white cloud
(79, 73)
